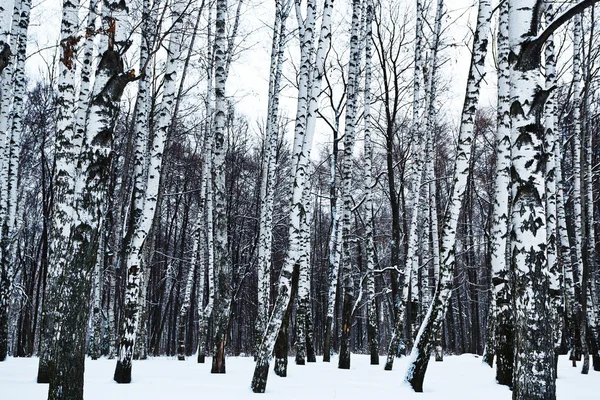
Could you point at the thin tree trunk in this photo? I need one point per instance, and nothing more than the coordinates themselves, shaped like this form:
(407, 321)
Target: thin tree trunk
(146, 203)
(431, 326)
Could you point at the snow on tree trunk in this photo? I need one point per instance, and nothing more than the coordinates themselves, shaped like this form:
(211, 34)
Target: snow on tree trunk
(534, 356)
(93, 166)
(304, 132)
(414, 197)
(372, 321)
(550, 145)
(11, 135)
(268, 169)
(501, 283)
(5, 47)
(222, 256)
(63, 185)
(578, 216)
(432, 323)
(431, 116)
(347, 162)
(145, 211)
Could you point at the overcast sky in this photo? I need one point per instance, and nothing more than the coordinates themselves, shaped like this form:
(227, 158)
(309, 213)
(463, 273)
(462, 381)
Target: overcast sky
(248, 80)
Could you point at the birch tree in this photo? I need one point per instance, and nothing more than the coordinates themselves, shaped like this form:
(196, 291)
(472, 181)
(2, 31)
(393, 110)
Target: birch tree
(14, 84)
(415, 174)
(63, 185)
(282, 9)
(145, 202)
(304, 132)
(431, 325)
(502, 317)
(372, 320)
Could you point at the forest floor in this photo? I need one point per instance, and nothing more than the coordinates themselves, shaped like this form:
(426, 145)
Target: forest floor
(458, 377)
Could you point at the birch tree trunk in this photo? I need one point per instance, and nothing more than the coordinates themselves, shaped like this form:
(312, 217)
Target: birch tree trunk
(347, 161)
(431, 119)
(66, 379)
(145, 203)
(372, 320)
(269, 166)
(554, 277)
(63, 186)
(432, 323)
(10, 165)
(5, 48)
(501, 290)
(534, 358)
(415, 173)
(304, 133)
(222, 256)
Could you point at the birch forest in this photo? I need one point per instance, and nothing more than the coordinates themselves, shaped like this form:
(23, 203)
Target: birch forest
(388, 183)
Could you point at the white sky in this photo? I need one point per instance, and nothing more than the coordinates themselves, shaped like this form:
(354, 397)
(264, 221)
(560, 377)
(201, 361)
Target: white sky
(248, 79)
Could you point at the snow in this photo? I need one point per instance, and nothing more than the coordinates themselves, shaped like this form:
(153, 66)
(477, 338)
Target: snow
(458, 377)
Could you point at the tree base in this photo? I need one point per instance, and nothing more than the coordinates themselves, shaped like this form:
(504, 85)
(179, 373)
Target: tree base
(259, 380)
(596, 362)
(280, 368)
(181, 358)
(201, 358)
(344, 361)
(43, 375)
(374, 359)
(122, 373)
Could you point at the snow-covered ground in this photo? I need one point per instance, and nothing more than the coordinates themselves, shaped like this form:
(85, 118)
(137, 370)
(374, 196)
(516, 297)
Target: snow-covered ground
(460, 377)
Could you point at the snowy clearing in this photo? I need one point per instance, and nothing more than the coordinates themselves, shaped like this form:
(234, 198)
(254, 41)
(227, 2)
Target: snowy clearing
(458, 377)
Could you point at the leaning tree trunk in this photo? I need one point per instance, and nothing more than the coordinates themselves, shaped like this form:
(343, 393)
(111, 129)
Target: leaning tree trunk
(268, 171)
(432, 323)
(145, 203)
(304, 133)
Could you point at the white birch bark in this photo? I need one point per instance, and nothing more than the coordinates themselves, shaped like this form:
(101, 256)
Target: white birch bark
(63, 186)
(269, 167)
(304, 133)
(550, 144)
(93, 168)
(501, 288)
(205, 312)
(347, 161)
(578, 216)
(534, 358)
(134, 255)
(433, 320)
(415, 173)
(5, 25)
(431, 120)
(10, 165)
(372, 321)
